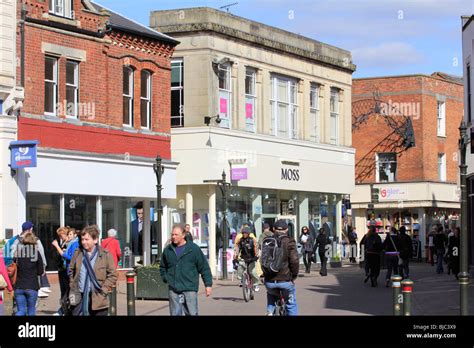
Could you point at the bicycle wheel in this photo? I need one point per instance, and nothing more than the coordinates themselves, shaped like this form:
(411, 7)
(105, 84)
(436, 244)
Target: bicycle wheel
(282, 309)
(245, 287)
(252, 292)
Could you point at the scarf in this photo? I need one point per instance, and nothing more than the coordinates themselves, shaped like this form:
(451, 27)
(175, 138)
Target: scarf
(89, 278)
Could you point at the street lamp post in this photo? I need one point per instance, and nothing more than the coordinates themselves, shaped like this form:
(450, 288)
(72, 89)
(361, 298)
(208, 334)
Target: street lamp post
(159, 169)
(464, 268)
(224, 186)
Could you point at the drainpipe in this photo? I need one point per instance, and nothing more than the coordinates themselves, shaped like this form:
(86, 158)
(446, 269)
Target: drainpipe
(22, 34)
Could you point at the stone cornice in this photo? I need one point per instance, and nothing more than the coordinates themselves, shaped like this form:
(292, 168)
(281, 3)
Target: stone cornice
(234, 33)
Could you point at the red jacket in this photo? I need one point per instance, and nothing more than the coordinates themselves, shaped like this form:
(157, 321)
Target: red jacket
(113, 246)
(4, 273)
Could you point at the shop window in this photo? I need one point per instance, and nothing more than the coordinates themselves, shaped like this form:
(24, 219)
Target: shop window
(51, 86)
(441, 119)
(177, 93)
(72, 88)
(334, 115)
(314, 131)
(80, 211)
(145, 99)
(386, 167)
(127, 97)
(61, 8)
(225, 94)
(284, 106)
(43, 210)
(250, 99)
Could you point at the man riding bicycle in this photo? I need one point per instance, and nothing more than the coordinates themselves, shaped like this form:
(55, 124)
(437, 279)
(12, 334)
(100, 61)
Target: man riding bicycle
(246, 255)
(281, 280)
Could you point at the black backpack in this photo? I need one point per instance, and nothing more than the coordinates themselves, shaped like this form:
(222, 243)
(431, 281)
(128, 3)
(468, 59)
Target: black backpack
(272, 254)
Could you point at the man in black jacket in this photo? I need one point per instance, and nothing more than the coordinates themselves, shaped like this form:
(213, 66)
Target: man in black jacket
(406, 250)
(288, 272)
(322, 241)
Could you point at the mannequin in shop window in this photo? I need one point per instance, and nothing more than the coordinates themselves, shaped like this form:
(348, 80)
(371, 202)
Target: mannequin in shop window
(137, 228)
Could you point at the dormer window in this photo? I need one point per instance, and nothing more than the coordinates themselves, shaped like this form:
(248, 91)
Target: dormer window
(61, 8)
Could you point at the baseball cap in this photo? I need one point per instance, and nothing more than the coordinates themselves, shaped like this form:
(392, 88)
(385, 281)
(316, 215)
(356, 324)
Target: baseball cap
(26, 225)
(281, 225)
(246, 230)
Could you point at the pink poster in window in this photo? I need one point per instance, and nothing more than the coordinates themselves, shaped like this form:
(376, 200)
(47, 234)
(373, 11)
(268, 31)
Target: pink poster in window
(223, 106)
(248, 111)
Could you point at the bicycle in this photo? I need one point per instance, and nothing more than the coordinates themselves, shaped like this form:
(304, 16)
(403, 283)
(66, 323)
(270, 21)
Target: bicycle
(247, 283)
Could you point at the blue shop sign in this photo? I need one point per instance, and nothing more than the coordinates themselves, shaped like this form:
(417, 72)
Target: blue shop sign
(23, 153)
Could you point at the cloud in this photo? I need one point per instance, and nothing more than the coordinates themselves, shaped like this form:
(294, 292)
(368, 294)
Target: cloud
(387, 55)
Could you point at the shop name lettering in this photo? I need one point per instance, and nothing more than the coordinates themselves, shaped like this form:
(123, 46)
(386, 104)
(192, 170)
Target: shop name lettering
(290, 174)
(37, 331)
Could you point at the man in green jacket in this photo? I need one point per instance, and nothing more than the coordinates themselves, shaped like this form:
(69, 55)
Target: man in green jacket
(181, 263)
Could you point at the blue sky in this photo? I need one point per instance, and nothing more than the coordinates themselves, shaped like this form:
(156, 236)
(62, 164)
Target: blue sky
(386, 37)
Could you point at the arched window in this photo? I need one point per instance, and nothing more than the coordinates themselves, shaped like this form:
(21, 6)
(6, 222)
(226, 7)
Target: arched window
(127, 96)
(145, 99)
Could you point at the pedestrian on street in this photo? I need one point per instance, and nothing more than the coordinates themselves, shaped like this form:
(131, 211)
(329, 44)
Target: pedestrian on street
(189, 234)
(60, 244)
(284, 279)
(353, 244)
(5, 283)
(181, 264)
(363, 256)
(440, 245)
(392, 247)
(72, 245)
(431, 245)
(267, 232)
(92, 275)
(322, 241)
(448, 255)
(44, 290)
(453, 249)
(112, 245)
(29, 268)
(373, 247)
(306, 240)
(406, 250)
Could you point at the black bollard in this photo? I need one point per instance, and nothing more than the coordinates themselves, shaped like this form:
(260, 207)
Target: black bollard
(397, 296)
(130, 293)
(113, 302)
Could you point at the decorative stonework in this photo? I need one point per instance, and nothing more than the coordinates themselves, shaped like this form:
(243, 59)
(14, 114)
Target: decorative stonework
(135, 43)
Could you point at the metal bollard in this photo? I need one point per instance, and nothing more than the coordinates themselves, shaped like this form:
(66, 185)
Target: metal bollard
(113, 302)
(397, 296)
(130, 293)
(407, 288)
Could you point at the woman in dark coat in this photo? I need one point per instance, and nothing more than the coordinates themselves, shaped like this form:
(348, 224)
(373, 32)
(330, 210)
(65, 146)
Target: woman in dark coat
(307, 241)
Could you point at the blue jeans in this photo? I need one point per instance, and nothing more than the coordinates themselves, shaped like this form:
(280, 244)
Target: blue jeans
(184, 303)
(26, 302)
(272, 297)
(440, 256)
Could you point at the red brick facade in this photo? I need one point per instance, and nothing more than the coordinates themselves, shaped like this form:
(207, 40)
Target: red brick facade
(419, 163)
(100, 84)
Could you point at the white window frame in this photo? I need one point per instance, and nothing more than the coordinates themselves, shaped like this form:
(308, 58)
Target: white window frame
(251, 98)
(76, 89)
(147, 99)
(441, 118)
(314, 114)
(179, 88)
(291, 103)
(130, 96)
(63, 8)
(226, 93)
(55, 83)
(377, 167)
(442, 167)
(334, 116)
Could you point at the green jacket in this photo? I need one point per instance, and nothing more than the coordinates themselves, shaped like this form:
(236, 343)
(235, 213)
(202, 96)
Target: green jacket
(182, 274)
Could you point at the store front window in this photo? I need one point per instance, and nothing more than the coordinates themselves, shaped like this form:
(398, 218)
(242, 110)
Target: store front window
(43, 210)
(80, 211)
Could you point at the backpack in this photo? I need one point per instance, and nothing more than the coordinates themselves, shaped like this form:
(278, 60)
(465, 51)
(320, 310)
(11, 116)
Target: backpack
(246, 247)
(272, 254)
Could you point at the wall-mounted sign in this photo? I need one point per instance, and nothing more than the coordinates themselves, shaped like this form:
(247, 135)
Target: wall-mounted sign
(23, 153)
(238, 173)
(290, 174)
(391, 193)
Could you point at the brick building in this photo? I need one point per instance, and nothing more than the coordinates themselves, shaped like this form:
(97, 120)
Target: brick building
(417, 187)
(97, 102)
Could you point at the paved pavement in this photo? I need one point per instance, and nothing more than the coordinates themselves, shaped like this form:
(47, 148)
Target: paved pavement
(342, 292)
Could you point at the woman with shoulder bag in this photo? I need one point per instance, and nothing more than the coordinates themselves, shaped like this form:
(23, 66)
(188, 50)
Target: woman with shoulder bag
(29, 266)
(306, 240)
(92, 276)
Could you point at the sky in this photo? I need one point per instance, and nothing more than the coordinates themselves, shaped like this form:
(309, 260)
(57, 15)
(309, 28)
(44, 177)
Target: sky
(385, 37)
